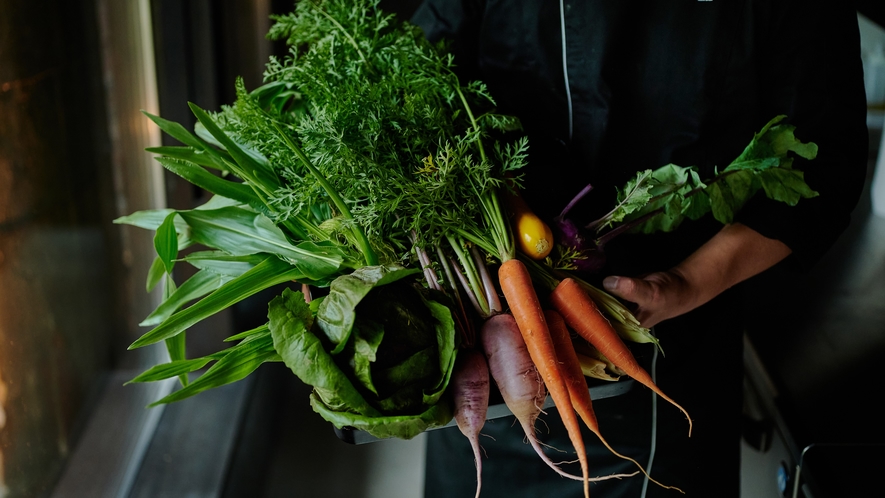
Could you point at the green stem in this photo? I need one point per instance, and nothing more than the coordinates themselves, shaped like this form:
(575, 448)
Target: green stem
(500, 230)
(482, 152)
(472, 276)
(361, 240)
(476, 240)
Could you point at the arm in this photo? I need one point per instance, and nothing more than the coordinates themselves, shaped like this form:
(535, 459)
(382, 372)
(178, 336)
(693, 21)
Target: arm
(733, 255)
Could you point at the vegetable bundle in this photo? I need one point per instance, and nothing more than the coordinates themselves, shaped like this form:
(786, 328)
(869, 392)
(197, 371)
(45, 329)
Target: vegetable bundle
(365, 167)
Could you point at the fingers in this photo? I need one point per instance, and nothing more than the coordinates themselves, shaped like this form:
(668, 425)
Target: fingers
(632, 289)
(639, 291)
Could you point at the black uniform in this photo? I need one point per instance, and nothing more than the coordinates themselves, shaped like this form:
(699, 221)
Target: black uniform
(646, 83)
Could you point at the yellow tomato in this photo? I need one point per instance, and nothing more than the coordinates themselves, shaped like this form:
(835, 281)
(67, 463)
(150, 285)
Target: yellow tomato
(534, 236)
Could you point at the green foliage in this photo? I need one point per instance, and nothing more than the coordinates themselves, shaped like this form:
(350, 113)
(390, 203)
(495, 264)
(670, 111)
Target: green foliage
(660, 200)
(361, 144)
(395, 362)
(338, 311)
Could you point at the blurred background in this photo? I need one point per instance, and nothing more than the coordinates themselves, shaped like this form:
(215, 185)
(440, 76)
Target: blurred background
(74, 76)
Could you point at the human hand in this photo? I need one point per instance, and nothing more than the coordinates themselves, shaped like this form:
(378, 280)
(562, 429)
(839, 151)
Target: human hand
(733, 255)
(658, 296)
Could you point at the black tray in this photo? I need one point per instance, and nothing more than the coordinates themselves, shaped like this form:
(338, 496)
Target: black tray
(497, 409)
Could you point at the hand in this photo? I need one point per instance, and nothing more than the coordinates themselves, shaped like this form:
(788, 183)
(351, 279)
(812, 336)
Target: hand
(733, 255)
(658, 296)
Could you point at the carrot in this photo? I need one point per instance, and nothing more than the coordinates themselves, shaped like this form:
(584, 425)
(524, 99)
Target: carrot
(516, 284)
(577, 384)
(470, 384)
(582, 315)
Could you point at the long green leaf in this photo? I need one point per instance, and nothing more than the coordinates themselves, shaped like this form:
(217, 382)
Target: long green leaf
(224, 264)
(237, 364)
(263, 329)
(181, 134)
(155, 274)
(270, 272)
(241, 232)
(176, 131)
(190, 154)
(172, 369)
(200, 177)
(166, 242)
(175, 346)
(259, 172)
(151, 219)
(203, 282)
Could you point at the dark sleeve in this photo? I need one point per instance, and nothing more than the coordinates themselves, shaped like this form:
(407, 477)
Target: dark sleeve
(810, 70)
(456, 22)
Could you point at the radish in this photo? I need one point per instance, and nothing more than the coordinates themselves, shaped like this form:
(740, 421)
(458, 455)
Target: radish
(470, 384)
(517, 378)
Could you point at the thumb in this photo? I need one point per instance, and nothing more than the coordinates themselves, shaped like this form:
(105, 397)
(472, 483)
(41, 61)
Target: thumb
(634, 290)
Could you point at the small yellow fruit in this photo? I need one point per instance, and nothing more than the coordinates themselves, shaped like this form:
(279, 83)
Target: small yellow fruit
(535, 237)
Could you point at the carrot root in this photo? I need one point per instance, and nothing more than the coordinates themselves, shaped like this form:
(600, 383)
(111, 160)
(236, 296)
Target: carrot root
(577, 385)
(583, 316)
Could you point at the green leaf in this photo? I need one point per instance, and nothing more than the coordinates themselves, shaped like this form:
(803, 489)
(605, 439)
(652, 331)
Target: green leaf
(445, 336)
(223, 263)
(257, 170)
(150, 219)
(786, 185)
(263, 329)
(755, 164)
(775, 140)
(190, 154)
(696, 206)
(303, 353)
(721, 202)
(417, 368)
(669, 178)
(175, 346)
(155, 274)
(201, 178)
(218, 202)
(201, 283)
(171, 369)
(176, 131)
(783, 140)
(268, 273)
(337, 312)
(634, 196)
(399, 426)
(367, 336)
(240, 361)
(241, 232)
(740, 184)
(166, 242)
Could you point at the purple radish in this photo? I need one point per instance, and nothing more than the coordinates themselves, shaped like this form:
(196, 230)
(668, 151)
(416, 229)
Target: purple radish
(517, 378)
(470, 384)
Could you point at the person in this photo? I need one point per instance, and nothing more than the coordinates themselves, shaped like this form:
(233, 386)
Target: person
(605, 89)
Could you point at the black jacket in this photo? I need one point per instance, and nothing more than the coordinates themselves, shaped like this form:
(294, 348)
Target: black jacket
(688, 82)
(652, 82)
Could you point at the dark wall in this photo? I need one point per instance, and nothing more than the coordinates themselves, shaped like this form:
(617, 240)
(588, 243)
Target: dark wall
(56, 293)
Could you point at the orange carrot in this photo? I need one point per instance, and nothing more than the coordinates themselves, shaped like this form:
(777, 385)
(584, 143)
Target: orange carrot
(582, 315)
(570, 367)
(516, 285)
